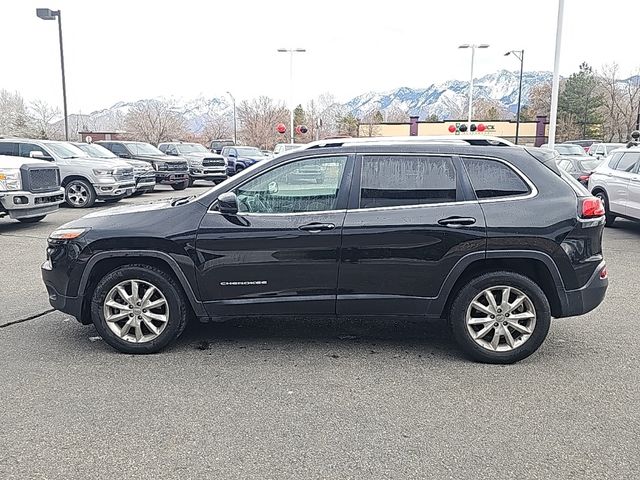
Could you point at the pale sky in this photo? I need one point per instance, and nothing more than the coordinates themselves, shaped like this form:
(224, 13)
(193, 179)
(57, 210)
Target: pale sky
(126, 50)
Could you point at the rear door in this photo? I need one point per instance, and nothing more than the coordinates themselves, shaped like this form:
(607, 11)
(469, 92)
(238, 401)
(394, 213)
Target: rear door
(633, 197)
(410, 220)
(618, 184)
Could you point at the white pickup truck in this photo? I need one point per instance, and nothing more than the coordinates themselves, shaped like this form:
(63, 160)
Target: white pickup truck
(29, 188)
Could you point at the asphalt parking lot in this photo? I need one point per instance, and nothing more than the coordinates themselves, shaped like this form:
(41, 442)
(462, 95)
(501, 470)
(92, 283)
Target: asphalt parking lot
(307, 399)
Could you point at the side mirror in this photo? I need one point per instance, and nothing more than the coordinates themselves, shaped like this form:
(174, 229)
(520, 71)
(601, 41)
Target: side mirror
(173, 154)
(233, 155)
(228, 203)
(124, 155)
(38, 154)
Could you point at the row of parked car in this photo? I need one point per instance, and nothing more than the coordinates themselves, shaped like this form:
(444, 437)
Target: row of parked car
(610, 171)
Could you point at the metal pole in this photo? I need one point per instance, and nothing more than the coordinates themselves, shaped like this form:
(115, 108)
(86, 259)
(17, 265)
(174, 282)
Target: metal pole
(292, 133)
(64, 83)
(235, 124)
(519, 97)
(473, 54)
(556, 78)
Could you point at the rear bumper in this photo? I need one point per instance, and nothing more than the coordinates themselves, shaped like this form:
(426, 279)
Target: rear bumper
(587, 298)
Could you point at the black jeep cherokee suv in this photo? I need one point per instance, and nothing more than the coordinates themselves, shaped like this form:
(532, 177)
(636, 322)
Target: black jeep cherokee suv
(492, 238)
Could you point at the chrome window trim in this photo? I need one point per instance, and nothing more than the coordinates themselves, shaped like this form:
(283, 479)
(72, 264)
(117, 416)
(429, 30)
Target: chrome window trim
(256, 214)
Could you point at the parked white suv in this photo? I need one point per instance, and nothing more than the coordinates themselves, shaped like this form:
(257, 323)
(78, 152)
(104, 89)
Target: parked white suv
(29, 189)
(84, 179)
(617, 183)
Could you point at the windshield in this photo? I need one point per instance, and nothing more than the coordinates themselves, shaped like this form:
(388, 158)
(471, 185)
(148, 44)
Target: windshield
(191, 148)
(65, 150)
(96, 151)
(139, 148)
(569, 149)
(249, 152)
(587, 165)
(613, 146)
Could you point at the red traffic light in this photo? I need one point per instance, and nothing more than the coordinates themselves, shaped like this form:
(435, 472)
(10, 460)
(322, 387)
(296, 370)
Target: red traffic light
(452, 128)
(481, 127)
(281, 128)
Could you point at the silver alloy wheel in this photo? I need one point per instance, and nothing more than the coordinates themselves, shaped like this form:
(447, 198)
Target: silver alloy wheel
(136, 311)
(501, 318)
(77, 194)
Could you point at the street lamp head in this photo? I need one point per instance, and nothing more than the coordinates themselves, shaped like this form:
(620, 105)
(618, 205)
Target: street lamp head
(483, 45)
(466, 45)
(47, 14)
(282, 50)
(301, 50)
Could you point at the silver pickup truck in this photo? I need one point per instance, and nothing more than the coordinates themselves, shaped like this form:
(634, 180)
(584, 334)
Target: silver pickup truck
(84, 179)
(29, 189)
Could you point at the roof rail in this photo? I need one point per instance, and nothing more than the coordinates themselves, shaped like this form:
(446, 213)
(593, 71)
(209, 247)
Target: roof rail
(483, 140)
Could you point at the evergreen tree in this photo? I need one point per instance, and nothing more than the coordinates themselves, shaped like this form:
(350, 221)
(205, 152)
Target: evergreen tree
(581, 100)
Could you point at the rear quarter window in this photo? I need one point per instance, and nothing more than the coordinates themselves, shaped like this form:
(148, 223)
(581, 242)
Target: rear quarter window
(494, 179)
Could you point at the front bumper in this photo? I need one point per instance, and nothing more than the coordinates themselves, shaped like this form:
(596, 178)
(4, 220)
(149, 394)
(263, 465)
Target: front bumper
(117, 189)
(208, 173)
(145, 182)
(585, 299)
(21, 204)
(170, 178)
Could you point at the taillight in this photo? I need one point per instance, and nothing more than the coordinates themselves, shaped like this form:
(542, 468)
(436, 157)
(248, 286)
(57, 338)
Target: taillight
(584, 178)
(592, 207)
(604, 273)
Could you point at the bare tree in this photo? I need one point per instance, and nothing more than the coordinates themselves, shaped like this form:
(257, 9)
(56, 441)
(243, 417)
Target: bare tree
(540, 99)
(258, 119)
(42, 115)
(620, 103)
(14, 116)
(370, 123)
(154, 121)
(395, 114)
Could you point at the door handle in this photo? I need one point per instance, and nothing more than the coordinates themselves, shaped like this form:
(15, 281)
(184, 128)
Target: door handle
(316, 227)
(456, 222)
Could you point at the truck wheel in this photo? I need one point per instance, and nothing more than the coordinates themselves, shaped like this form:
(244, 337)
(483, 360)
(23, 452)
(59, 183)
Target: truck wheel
(31, 219)
(500, 317)
(137, 193)
(138, 309)
(79, 194)
(609, 218)
(180, 186)
(191, 181)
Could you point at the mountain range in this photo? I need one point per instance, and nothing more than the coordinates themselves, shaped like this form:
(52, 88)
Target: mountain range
(445, 100)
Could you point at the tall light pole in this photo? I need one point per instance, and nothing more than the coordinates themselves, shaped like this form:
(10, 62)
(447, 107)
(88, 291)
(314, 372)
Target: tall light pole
(291, 51)
(46, 14)
(519, 54)
(473, 55)
(235, 125)
(555, 89)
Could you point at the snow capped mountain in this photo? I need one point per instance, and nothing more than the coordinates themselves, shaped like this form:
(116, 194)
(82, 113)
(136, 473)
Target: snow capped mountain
(448, 99)
(445, 100)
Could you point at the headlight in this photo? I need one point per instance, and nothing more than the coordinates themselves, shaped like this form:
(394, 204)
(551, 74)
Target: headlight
(104, 172)
(10, 179)
(67, 233)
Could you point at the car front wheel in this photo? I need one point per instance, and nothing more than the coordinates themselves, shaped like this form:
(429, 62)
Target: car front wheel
(138, 309)
(180, 186)
(500, 317)
(79, 194)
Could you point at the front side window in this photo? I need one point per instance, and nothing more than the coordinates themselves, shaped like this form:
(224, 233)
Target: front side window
(628, 162)
(309, 185)
(493, 179)
(119, 149)
(25, 149)
(140, 148)
(399, 180)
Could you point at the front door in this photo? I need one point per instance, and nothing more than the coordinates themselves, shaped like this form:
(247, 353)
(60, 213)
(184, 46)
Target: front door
(280, 253)
(618, 183)
(633, 196)
(407, 225)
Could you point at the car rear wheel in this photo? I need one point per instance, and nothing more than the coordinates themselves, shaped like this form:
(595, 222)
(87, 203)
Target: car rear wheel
(138, 309)
(79, 194)
(609, 217)
(500, 317)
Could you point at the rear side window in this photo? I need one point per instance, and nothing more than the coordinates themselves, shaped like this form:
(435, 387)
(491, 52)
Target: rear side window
(628, 162)
(493, 179)
(398, 180)
(8, 148)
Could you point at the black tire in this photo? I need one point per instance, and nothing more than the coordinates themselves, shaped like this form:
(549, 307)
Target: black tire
(165, 283)
(609, 217)
(462, 302)
(81, 185)
(32, 219)
(191, 181)
(239, 168)
(137, 193)
(180, 186)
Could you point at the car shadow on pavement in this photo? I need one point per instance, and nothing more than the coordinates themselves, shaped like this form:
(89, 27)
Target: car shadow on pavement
(375, 335)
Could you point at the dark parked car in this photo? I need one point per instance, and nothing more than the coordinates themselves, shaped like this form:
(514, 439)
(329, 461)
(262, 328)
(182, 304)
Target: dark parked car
(579, 168)
(497, 240)
(585, 144)
(240, 157)
(217, 145)
(169, 170)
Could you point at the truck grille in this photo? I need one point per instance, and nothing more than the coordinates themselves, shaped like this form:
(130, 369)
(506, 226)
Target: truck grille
(37, 180)
(177, 166)
(124, 174)
(213, 162)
